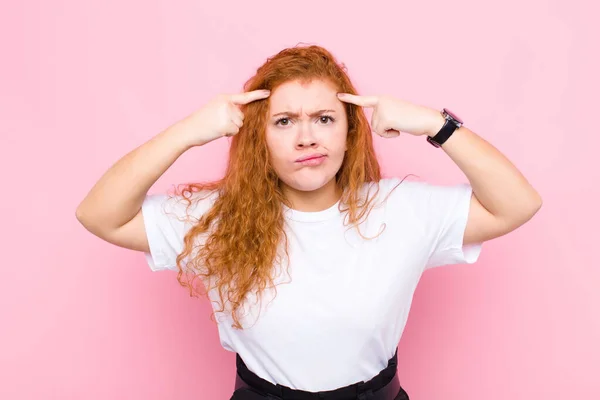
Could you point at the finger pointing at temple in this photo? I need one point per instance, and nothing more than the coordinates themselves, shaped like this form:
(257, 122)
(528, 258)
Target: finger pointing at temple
(248, 97)
(364, 101)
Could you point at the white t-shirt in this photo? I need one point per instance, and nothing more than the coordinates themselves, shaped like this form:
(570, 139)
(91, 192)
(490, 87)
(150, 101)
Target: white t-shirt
(341, 317)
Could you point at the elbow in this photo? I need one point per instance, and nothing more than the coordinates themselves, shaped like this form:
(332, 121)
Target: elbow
(533, 202)
(83, 217)
(78, 214)
(537, 203)
(90, 224)
(532, 209)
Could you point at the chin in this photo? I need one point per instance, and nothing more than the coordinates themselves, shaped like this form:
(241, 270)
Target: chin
(307, 184)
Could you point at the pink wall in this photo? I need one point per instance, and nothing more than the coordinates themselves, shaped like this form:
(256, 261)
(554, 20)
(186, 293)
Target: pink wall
(84, 82)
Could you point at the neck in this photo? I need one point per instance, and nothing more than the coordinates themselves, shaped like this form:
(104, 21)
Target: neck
(315, 200)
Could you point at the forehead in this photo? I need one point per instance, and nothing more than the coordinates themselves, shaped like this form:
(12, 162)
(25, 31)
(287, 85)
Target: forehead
(296, 95)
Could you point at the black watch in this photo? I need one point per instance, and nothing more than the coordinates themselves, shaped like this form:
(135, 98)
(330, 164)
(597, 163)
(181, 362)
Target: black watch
(452, 123)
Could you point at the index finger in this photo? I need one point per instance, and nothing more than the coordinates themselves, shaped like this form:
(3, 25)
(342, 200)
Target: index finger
(364, 101)
(248, 97)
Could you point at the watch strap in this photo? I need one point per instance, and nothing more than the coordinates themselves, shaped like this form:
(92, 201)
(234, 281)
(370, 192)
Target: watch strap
(447, 130)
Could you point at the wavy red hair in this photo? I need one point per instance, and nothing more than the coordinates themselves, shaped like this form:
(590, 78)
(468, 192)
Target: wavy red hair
(244, 229)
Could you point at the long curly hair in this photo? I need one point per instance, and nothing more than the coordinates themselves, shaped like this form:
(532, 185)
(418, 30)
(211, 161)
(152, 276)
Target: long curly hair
(244, 228)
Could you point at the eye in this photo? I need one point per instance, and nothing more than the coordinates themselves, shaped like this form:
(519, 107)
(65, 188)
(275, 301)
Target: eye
(325, 118)
(282, 120)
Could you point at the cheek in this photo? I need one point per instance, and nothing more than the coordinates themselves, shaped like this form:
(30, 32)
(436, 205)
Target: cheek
(339, 138)
(278, 149)
(273, 142)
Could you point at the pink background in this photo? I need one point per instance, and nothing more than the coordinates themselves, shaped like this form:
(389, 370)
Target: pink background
(84, 82)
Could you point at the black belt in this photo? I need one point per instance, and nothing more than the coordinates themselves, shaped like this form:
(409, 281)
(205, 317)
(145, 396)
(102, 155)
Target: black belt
(383, 386)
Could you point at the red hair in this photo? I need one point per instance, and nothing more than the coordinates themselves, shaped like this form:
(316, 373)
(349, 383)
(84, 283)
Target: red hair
(245, 226)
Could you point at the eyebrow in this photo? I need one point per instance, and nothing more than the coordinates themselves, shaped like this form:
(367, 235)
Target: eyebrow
(295, 115)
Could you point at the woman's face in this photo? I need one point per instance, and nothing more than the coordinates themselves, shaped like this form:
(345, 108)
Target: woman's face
(306, 120)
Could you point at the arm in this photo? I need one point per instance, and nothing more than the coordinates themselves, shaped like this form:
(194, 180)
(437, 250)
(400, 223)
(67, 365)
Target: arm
(111, 210)
(502, 198)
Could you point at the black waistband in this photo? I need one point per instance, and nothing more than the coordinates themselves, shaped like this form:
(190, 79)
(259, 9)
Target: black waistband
(357, 390)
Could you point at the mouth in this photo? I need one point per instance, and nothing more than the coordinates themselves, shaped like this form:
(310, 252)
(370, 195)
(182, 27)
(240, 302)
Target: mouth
(312, 160)
(310, 157)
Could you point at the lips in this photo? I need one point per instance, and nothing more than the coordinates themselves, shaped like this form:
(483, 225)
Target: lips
(310, 157)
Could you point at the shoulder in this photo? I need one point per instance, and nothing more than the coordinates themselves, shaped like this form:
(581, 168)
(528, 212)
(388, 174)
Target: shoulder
(421, 193)
(188, 207)
(406, 188)
(395, 196)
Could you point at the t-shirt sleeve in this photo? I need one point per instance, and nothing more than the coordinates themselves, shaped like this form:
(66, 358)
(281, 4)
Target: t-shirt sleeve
(445, 209)
(167, 219)
(165, 229)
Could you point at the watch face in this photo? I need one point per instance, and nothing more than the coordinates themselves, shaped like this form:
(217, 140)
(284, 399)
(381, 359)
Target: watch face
(453, 116)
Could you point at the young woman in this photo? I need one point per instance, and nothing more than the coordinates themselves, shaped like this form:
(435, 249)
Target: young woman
(309, 256)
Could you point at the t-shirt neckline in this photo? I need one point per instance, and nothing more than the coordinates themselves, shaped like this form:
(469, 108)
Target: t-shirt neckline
(311, 216)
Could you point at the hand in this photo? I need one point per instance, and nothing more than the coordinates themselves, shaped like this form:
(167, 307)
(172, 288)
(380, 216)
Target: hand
(392, 116)
(220, 117)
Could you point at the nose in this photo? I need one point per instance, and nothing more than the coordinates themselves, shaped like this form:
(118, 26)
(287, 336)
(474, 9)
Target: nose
(306, 137)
